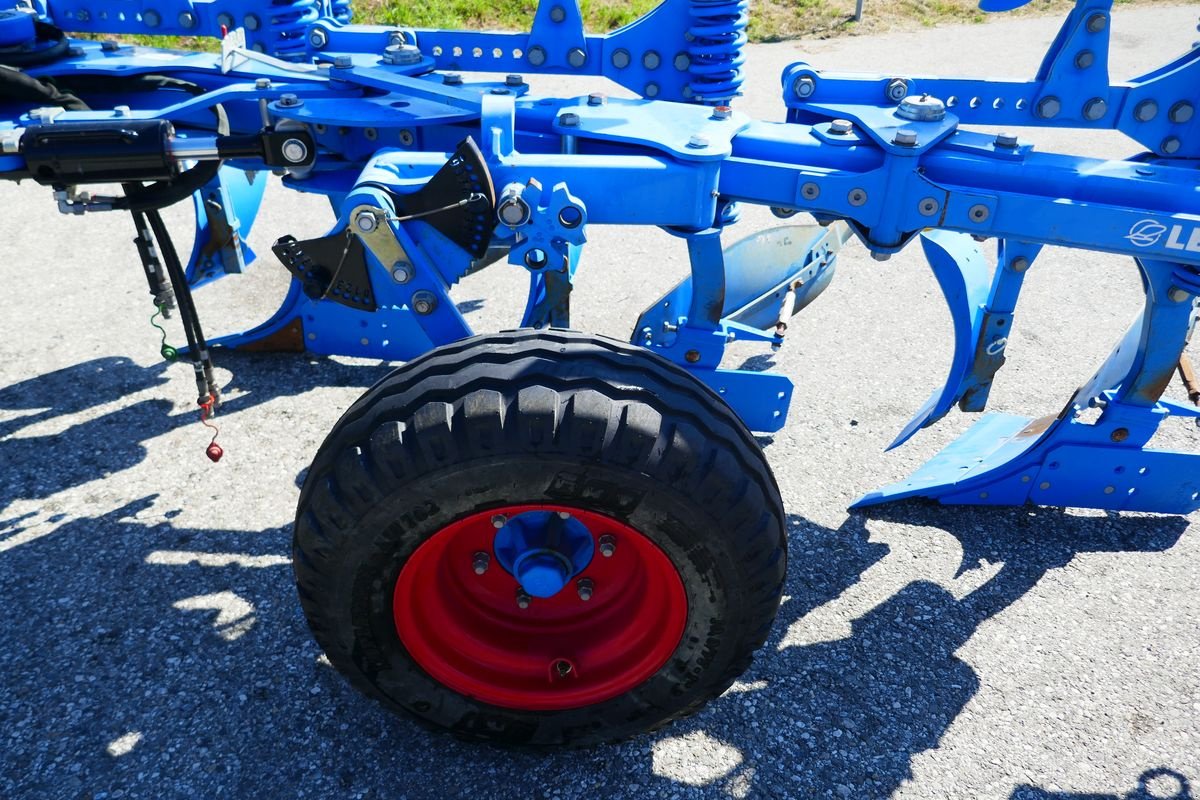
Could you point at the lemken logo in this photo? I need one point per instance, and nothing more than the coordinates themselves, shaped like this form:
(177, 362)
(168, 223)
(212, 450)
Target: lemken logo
(1149, 232)
(1146, 233)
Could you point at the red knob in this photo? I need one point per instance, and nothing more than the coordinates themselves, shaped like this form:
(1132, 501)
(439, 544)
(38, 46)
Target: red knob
(214, 452)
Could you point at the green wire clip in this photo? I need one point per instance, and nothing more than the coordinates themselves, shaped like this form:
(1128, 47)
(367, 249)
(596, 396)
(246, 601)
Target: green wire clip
(168, 353)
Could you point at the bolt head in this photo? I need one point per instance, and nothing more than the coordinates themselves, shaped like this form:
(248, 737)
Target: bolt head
(522, 599)
(1048, 107)
(343, 62)
(187, 19)
(1095, 109)
(514, 80)
(1019, 264)
(151, 18)
(607, 545)
(1145, 111)
(1007, 140)
(499, 521)
(289, 100)
(558, 14)
(905, 138)
(480, 562)
(878, 256)
(651, 60)
(621, 58)
(682, 62)
(810, 191)
(568, 120)
(109, 46)
(597, 99)
(1097, 23)
(576, 57)
(697, 141)
(402, 272)
(452, 79)
(978, 212)
(585, 587)
(251, 22)
(1181, 112)
(262, 83)
(722, 112)
(692, 356)
(804, 86)
(513, 212)
(928, 207)
(651, 90)
(857, 197)
(536, 56)
(1178, 295)
(841, 127)
(1084, 59)
(1171, 145)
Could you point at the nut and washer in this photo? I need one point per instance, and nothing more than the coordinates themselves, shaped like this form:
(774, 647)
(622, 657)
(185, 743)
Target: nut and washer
(841, 127)
(857, 197)
(317, 38)
(928, 207)
(608, 545)
(514, 80)
(290, 101)
(366, 221)
(585, 587)
(810, 191)
(979, 213)
(424, 302)
(804, 86)
(897, 89)
(480, 562)
(402, 272)
(187, 20)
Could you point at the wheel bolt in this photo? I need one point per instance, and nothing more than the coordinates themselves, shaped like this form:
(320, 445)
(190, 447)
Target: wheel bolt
(499, 521)
(564, 515)
(480, 562)
(608, 545)
(522, 599)
(585, 586)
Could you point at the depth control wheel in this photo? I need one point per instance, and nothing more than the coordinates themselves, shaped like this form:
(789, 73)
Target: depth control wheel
(540, 538)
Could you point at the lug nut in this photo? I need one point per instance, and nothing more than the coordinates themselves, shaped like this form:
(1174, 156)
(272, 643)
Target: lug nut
(480, 562)
(522, 599)
(564, 515)
(608, 545)
(499, 521)
(585, 587)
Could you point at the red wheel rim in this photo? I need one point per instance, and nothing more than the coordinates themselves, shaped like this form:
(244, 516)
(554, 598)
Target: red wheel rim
(467, 631)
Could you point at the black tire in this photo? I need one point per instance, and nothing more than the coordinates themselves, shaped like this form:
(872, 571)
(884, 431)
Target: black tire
(541, 416)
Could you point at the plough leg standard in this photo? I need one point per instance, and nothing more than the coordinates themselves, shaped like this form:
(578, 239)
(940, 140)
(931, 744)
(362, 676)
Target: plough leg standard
(546, 537)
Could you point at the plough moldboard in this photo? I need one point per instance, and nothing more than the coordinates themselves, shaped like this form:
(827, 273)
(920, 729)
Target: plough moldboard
(547, 537)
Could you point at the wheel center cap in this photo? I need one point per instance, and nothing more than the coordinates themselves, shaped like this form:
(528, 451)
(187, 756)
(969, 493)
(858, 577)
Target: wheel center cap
(543, 550)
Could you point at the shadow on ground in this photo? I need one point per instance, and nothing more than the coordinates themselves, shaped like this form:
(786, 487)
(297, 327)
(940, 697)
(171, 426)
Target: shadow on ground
(174, 662)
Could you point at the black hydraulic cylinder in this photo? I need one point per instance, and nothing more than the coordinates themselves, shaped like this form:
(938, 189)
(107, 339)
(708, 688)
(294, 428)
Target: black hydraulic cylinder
(108, 151)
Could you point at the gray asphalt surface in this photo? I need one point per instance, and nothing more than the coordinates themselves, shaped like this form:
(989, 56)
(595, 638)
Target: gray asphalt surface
(152, 645)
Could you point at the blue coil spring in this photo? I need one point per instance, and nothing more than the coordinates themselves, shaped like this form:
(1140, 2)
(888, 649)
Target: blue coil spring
(715, 42)
(340, 10)
(283, 29)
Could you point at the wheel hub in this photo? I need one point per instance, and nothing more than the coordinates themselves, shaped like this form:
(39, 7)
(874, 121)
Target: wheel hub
(543, 550)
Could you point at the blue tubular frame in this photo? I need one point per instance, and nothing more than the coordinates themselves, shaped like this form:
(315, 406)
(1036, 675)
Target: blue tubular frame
(889, 155)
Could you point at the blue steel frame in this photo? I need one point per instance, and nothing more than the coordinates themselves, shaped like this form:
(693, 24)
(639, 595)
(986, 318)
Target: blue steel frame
(887, 158)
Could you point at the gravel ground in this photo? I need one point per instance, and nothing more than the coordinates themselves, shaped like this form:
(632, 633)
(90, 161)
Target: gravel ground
(153, 646)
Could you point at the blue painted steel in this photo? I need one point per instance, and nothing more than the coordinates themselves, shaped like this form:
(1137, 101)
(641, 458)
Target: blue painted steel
(220, 245)
(543, 550)
(385, 113)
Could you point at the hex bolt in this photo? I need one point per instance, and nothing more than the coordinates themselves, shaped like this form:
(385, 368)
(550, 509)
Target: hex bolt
(343, 62)
(1048, 107)
(122, 111)
(151, 18)
(1171, 144)
(1181, 112)
(841, 127)
(317, 38)
(585, 587)
(1177, 295)
(1097, 23)
(810, 191)
(452, 79)
(514, 80)
(402, 272)
(722, 112)
(568, 120)
(536, 55)
(366, 221)
(109, 46)
(522, 599)
(928, 207)
(499, 521)
(621, 59)
(290, 101)
(563, 667)
(424, 302)
(1095, 109)
(1006, 140)
(804, 86)
(597, 99)
(978, 212)
(1019, 264)
(480, 562)
(576, 57)
(651, 90)
(557, 14)
(294, 150)
(251, 22)
(1145, 111)
(187, 19)
(651, 60)
(226, 19)
(262, 84)
(1120, 434)
(607, 545)
(897, 89)
(905, 138)
(682, 62)
(857, 197)
(500, 90)
(697, 141)
(1084, 59)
